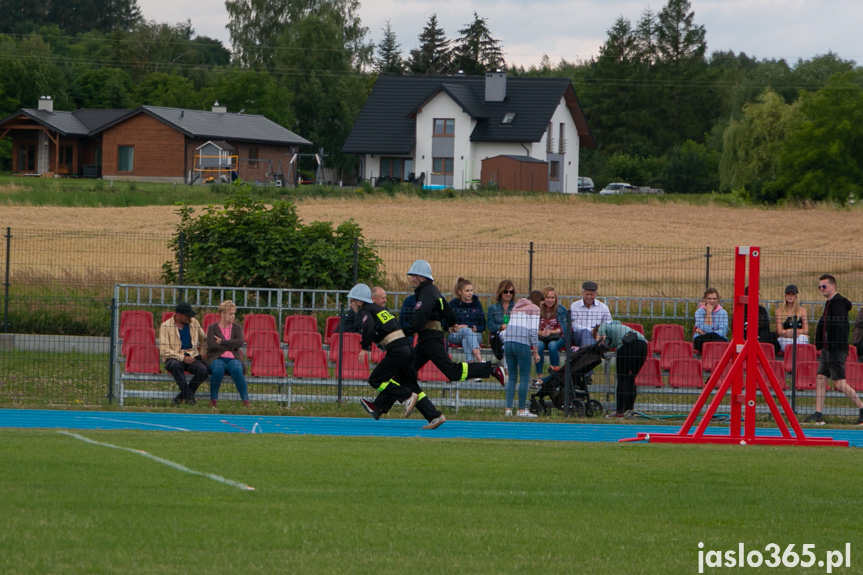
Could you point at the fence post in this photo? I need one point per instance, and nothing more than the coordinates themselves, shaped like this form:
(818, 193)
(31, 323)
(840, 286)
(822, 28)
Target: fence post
(356, 260)
(6, 283)
(530, 269)
(341, 350)
(567, 373)
(707, 257)
(113, 352)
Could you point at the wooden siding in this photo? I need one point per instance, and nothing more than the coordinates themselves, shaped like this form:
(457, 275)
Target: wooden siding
(512, 174)
(246, 171)
(158, 148)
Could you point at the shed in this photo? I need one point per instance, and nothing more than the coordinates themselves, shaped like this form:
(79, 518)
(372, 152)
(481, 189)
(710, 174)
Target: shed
(515, 173)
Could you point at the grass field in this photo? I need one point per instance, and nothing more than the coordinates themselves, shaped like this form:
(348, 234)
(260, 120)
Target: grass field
(360, 505)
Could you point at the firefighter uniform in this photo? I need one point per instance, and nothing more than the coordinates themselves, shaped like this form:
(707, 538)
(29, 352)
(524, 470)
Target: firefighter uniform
(432, 309)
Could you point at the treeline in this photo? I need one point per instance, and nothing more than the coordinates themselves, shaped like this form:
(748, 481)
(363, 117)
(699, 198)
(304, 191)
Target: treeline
(663, 112)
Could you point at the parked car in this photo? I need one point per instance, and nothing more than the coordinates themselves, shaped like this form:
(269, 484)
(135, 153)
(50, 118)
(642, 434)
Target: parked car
(614, 189)
(585, 186)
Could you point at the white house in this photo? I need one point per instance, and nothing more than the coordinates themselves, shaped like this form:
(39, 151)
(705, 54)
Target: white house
(441, 128)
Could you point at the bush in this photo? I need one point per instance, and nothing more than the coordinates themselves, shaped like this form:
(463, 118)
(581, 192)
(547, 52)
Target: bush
(248, 244)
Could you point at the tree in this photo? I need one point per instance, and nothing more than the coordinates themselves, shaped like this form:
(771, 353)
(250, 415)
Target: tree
(434, 55)
(389, 60)
(476, 52)
(251, 92)
(161, 89)
(820, 158)
(256, 25)
(73, 16)
(103, 88)
(690, 169)
(248, 243)
(753, 143)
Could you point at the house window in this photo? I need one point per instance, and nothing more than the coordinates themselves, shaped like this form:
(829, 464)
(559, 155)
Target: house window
(561, 143)
(444, 127)
(392, 167)
(98, 155)
(549, 138)
(65, 154)
(554, 171)
(253, 157)
(125, 158)
(442, 166)
(26, 158)
(508, 118)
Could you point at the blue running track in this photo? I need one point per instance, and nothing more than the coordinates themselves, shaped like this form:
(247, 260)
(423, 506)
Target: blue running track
(364, 427)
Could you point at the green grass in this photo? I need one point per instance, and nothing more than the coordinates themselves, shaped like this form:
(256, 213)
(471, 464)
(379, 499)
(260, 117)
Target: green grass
(388, 505)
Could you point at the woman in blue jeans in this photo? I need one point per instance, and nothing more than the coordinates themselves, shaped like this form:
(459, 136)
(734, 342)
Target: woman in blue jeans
(471, 320)
(552, 321)
(225, 353)
(519, 350)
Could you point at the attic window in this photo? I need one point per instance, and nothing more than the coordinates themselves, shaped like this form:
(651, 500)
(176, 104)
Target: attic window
(508, 118)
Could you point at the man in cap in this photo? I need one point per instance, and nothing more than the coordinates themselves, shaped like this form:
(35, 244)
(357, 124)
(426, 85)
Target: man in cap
(587, 313)
(182, 346)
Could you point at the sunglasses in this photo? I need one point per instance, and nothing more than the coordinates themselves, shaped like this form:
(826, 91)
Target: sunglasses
(823, 286)
(508, 291)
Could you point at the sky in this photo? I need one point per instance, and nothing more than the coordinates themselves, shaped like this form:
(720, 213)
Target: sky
(575, 29)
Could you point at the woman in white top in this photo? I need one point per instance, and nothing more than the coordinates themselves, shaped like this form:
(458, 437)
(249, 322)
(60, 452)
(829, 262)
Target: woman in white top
(785, 319)
(520, 353)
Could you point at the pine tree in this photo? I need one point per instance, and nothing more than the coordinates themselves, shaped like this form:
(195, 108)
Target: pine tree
(389, 60)
(434, 55)
(476, 52)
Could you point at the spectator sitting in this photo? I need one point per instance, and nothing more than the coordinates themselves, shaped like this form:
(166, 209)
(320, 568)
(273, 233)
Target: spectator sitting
(587, 313)
(471, 320)
(225, 353)
(498, 316)
(789, 314)
(407, 312)
(711, 320)
(182, 343)
(552, 321)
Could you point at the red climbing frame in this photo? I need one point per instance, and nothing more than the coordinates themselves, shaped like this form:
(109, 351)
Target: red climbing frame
(742, 386)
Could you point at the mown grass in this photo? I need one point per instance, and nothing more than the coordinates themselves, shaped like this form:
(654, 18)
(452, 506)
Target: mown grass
(388, 505)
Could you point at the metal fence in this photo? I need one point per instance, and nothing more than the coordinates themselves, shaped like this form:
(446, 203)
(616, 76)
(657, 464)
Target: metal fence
(55, 346)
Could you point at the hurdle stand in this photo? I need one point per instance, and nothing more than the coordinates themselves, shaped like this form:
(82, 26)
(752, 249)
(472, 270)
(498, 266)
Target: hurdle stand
(743, 387)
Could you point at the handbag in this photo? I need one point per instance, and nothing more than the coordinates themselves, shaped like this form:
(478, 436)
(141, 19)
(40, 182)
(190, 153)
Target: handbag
(549, 338)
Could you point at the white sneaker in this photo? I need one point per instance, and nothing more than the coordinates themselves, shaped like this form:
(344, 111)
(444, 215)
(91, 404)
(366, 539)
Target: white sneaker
(410, 403)
(507, 413)
(525, 413)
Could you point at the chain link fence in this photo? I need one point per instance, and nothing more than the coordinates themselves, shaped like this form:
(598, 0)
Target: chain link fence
(58, 344)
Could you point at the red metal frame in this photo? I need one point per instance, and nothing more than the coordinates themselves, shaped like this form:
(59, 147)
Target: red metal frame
(742, 386)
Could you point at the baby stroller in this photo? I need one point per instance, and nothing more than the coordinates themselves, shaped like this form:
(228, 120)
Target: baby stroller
(580, 364)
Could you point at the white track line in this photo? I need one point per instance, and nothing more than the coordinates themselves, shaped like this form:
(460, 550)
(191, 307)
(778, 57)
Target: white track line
(218, 478)
(139, 423)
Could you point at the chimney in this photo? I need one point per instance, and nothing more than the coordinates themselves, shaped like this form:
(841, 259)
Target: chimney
(495, 86)
(46, 103)
(219, 109)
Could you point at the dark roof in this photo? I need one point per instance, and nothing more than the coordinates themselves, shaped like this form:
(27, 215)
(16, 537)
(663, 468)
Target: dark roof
(221, 125)
(386, 124)
(522, 158)
(192, 123)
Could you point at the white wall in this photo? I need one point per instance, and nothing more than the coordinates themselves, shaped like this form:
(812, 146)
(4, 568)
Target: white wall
(442, 106)
(569, 169)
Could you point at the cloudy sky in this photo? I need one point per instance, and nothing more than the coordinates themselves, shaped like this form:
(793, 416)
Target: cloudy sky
(574, 29)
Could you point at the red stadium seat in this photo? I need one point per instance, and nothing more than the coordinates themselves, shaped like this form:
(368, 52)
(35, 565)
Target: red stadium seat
(137, 317)
(686, 373)
(650, 374)
(311, 363)
(299, 323)
(663, 332)
(166, 315)
(377, 354)
(269, 362)
(636, 326)
(854, 375)
(711, 353)
(143, 358)
(351, 343)
(257, 340)
(137, 335)
(852, 355)
(352, 367)
(805, 352)
(303, 341)
(769, 350)
(778, 370)
(331, 327)
(806, 372)
(210, 319)
(259, 321)
(672, 351)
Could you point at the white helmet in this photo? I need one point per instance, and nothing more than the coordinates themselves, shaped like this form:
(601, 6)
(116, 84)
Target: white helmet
(361, 292)
(421, 268)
